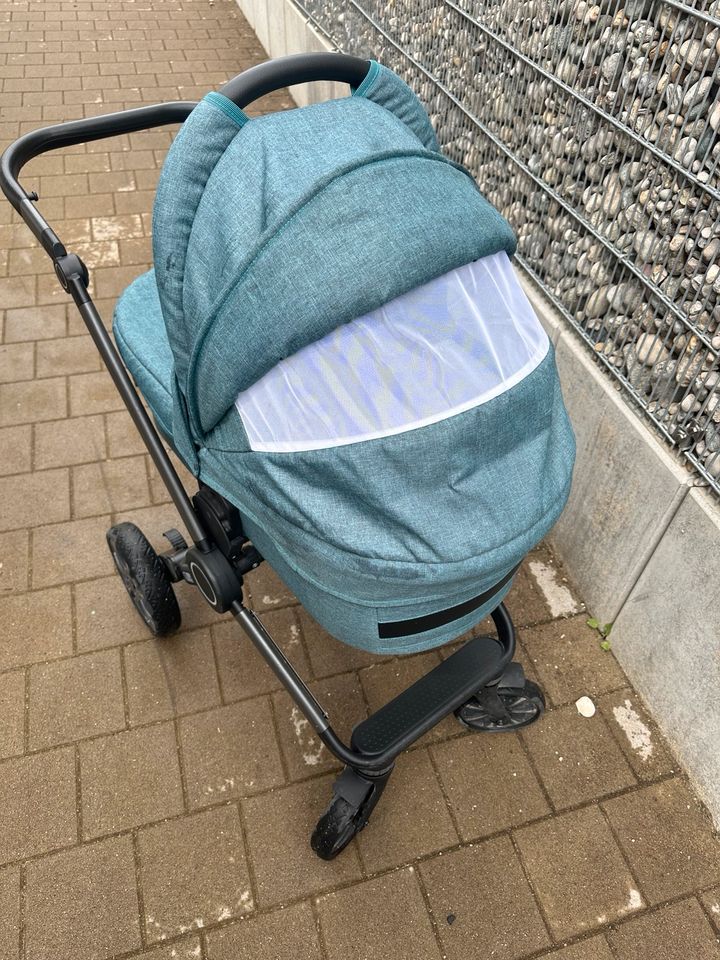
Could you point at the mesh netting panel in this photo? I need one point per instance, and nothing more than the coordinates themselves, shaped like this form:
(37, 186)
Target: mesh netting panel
(439, 350)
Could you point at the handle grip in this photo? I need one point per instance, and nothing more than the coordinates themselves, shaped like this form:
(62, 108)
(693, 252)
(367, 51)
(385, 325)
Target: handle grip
(299, 68)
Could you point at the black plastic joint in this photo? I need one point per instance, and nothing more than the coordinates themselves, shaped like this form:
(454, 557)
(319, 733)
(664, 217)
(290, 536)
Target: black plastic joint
(73, 276)
(215, 578)
(357, 788)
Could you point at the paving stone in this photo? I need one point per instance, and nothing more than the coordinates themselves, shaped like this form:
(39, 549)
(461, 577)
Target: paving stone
(15, 442)
(17, 291)
(676, 932)
(37, 626)
(569, 660)
(28, 499)
(638, 736)
(129, 779)
(526, 601)
(193, 873)
(67, 442)
(710, 899)
(230, 752)
(10, 913)
(596, 948)
(105, 615)
(341, 697)
(668, 839)
(82, 904)
(266, 589)
(243, 672)
(116, 228)
(77, 550)
(109, 486)
(66, 356)
(489, 783)
(412, 818)
(279, 825)
(328, 655)
(169, 677)
(576, 757)
(287, 934)
(14, 561)
(75, 698)
(578, 872)
(37, 798)
(93, 393)
(484, 888)
(17, 362)
(12, 711)
(32, 400)
(35, 323)
(378, 919)
(123, 437)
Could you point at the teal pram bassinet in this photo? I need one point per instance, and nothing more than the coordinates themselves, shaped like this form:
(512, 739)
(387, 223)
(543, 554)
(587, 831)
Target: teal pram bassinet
(335, 343)
(334, 340)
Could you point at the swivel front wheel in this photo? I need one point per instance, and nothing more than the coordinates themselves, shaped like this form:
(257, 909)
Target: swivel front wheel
(335, 829)
(145, 577)
(355, 796)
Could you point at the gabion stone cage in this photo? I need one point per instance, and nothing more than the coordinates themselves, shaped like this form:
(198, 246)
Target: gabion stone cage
(595, 128)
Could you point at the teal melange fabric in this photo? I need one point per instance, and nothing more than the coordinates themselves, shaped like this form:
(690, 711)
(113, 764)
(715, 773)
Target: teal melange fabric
(269, 233)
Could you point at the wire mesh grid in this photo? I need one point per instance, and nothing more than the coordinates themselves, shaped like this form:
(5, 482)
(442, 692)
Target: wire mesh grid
(595, 128)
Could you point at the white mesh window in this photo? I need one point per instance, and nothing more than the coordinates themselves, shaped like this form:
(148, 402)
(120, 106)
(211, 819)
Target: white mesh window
(443, 348)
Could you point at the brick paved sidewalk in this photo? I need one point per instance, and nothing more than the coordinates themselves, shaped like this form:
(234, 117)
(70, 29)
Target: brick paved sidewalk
(156, 799)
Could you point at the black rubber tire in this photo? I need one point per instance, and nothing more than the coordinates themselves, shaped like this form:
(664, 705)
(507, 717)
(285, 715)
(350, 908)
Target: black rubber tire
(335, 829)
(145, 578)
(524, 706)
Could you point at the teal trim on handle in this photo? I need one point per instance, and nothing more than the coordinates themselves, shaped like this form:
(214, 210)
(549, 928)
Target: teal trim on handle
(228, 107)
(373, 71)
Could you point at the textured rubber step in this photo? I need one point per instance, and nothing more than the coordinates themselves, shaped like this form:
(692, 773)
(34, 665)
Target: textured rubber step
(414, 711)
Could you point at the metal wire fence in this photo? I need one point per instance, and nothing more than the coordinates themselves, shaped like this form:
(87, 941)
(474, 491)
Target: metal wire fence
(595, 128)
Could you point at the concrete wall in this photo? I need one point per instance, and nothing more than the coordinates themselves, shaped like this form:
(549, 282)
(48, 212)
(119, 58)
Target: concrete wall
(641, 543)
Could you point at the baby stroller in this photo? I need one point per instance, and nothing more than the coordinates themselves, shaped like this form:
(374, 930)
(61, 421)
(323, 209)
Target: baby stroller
(334, 342)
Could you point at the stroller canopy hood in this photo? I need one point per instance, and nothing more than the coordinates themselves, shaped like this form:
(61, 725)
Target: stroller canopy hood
(341, 348)
(271, 232)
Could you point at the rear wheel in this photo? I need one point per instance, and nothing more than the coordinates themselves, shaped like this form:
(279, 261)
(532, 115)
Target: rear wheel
(501, 709)
(145, 577)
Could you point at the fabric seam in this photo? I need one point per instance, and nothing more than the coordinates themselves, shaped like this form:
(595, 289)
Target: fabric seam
(227, 106)
(368, 80)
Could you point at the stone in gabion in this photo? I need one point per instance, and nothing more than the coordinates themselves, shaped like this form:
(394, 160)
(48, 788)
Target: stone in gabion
(650, 349)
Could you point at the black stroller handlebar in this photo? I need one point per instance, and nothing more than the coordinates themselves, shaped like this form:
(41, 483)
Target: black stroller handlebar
(298, 68)
(243, 89)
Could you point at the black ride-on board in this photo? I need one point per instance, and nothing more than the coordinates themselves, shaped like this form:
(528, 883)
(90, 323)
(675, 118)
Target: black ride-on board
(414, 711)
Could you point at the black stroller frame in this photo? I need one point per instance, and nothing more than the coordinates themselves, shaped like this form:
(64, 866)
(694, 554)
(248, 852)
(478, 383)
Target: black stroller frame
(478, 681)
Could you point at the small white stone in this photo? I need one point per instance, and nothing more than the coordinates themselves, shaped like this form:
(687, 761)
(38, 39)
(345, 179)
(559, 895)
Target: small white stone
(585, 707)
